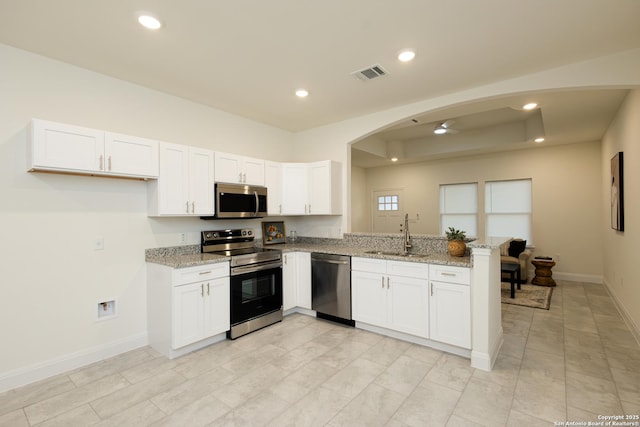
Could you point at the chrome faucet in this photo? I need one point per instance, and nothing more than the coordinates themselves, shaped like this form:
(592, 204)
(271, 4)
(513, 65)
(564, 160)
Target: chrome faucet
(406, 241)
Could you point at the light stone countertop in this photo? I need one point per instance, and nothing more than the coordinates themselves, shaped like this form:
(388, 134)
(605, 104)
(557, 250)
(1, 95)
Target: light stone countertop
(189, 256)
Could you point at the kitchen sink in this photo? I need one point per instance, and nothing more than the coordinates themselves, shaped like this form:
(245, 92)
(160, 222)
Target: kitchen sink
(397, 254)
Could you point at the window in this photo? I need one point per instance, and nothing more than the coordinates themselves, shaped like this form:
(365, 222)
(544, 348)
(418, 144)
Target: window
(508, 209)
(459, 208)
(387, 203)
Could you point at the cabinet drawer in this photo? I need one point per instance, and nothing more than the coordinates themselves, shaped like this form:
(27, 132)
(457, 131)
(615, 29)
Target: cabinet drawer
(369, 265)
(408, 269)
(200, 273)
(446, 273)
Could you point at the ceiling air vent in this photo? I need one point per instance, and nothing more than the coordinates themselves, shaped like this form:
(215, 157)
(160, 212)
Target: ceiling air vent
(370, 73)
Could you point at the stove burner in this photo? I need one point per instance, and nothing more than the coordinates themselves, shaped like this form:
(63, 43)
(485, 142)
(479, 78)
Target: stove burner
(239, 245)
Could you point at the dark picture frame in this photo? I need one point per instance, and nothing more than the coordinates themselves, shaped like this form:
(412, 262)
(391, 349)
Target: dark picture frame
(617, 192)
(273, 232)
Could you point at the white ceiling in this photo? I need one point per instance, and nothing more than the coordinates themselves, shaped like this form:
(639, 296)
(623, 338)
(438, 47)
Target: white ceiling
(247, 57)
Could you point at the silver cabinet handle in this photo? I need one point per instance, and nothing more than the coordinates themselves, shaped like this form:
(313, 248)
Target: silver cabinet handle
(431, 283)
(382, 282)
(193, 207)
(208, 290)
(244, 178)
(449, 274)
(285, 259)
(202, 290)
(280, 207)
(387, 282)
(204, 272)
(101, 160)
(186, 204)
(109, 162)
(309, 209)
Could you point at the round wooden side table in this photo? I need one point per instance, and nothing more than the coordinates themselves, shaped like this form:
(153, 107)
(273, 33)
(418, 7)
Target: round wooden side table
(543, 272)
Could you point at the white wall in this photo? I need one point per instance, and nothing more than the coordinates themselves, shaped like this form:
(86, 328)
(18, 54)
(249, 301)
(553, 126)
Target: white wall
(566, 197)
(52, 279)
(621, 273)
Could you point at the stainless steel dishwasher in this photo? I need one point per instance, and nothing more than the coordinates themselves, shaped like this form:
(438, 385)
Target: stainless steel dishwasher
(331, 287)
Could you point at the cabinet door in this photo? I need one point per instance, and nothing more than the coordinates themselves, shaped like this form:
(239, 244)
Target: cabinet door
(294, 189)
(325, 188)
(369, 298)
(289, 281)
(201, 182)
(130, 155)
(57, 146)
(450, 313)
(303, 277)
(217, 307)
(173, 183)
(188, 314)
(273, 182)
(408, 305)
(319, 188)
(228, 168)
(252, 171)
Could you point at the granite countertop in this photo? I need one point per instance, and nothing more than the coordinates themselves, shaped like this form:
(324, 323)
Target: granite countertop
(190, 256)
(358, 251)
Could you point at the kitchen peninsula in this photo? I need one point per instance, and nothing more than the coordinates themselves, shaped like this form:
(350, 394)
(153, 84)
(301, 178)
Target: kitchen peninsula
(480, 268)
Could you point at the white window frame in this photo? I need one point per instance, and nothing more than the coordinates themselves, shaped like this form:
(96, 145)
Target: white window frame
(391, 201)
(509, 208)
(459, 207)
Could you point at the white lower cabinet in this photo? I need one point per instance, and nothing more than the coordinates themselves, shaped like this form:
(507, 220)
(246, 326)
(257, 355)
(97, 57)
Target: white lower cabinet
(186, 306)
(450, 305)
(296, 280)
(391, 294)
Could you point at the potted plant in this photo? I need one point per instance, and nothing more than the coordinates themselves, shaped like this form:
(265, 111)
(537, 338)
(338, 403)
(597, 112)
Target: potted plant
(457, 246)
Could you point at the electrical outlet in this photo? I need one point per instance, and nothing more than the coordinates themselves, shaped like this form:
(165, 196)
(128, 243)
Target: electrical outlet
(98, 244)
(183, 238)
(557, 257)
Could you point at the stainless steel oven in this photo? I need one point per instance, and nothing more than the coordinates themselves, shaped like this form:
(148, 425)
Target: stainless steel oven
(256, 279)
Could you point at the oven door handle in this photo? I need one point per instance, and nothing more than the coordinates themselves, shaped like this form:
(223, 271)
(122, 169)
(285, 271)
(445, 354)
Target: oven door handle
(236, 271)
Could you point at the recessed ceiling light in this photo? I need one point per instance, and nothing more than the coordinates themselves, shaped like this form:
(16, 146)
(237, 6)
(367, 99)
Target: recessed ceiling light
(394, 159)
(406, 55)
(302, 93)
(540, 139)
(529, 106)
(149, 21)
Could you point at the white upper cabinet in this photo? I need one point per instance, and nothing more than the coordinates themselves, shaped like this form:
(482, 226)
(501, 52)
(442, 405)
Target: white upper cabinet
(325, 188)
(185, 185)
(273, 182)
(130, 155)
(58, 147)
(239, 169)
(295, 189)
(312, 188)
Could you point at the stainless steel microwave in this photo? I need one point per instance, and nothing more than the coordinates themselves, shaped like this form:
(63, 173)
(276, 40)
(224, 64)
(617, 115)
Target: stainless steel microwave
(239, 201)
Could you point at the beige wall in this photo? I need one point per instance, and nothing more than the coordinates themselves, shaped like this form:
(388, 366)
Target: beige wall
(566, 197)
(621, 273)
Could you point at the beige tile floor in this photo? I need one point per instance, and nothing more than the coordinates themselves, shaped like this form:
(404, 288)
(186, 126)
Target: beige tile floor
(574, 362)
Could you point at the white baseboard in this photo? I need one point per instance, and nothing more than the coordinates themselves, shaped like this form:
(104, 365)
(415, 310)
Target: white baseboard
(575, 277)
(415, 340)
(40, 371)
(485, 361)
(633, 328)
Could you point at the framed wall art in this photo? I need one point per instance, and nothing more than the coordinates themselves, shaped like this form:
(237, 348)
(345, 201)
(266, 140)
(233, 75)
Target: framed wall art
(273, 232)
(617, 192)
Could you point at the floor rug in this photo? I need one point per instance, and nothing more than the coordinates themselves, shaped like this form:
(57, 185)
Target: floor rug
(529, 296)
